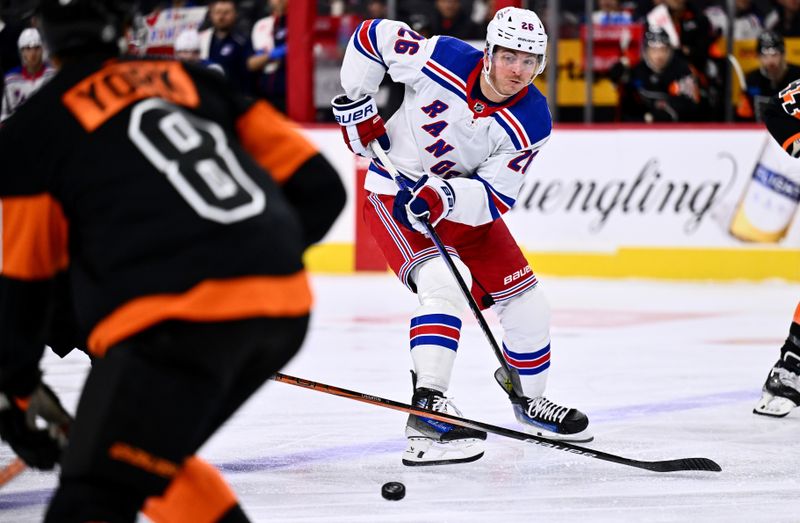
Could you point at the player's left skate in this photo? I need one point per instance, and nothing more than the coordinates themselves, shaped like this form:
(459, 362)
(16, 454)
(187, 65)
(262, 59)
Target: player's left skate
(541, 417)
(781, 391)
(433, 442)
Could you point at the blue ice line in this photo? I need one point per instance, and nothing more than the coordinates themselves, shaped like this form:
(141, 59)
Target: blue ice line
(38, 497)
(673, 405)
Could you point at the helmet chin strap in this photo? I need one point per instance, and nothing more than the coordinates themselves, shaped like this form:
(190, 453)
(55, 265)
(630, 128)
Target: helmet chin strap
(487, 59)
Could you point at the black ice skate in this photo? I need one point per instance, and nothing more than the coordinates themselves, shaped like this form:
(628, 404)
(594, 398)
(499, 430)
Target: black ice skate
(541, 417)
(432, 442)
(781, 391)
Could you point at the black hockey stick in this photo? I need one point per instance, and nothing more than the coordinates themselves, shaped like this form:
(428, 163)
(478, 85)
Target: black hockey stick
(511, 386)
(672, 465)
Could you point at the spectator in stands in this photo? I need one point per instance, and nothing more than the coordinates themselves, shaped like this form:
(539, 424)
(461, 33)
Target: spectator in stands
(421, 24)
(451, 19)
(21, 82)
(269, 61)
(661, 87)
(609, 12)
(172, 4)
(772, 75)
(187, 49)
(690, 31)
(747, 25)
(377, 9)
(785, 18)
(483, 12)
(221, 44)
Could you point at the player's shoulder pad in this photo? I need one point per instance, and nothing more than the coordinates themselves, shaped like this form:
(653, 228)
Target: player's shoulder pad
(14, 71)
(455, 56)
(528, 122)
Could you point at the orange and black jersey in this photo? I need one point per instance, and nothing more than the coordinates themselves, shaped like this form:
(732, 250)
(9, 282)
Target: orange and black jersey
(782, 117)
(162, 195)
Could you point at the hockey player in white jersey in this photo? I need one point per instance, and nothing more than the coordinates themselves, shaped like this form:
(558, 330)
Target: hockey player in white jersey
(468, 130)
(21, 82)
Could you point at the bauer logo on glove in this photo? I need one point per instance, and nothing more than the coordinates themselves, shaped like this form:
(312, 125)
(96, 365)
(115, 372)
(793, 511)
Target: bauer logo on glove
(431, 199)
(360, 123)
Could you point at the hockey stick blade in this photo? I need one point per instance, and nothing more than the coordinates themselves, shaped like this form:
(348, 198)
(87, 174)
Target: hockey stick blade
(674, 465)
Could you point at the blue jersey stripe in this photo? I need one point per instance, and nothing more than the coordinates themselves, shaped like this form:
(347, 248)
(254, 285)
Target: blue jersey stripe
(443, 319)
(509, 130)
(363, 51)
(444, 83)
(435, 340)
(373, 38)
(534, 371)
(527, 356)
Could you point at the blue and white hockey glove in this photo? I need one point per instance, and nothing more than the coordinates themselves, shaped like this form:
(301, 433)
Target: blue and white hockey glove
(360, 123)
(431, 199)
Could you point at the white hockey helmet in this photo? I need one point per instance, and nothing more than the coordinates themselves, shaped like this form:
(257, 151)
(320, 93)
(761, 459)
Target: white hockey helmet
(517, 29)
(29, 38)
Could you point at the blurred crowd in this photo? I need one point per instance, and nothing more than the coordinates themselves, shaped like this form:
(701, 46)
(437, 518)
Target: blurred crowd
(666, 58)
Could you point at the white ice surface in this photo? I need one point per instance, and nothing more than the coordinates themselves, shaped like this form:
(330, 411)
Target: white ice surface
(663, 369)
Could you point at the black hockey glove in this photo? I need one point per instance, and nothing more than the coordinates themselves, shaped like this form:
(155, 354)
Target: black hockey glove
(38, 447)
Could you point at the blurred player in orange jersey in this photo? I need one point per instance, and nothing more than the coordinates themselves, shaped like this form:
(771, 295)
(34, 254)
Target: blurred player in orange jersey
(781, 392)
(180, 212)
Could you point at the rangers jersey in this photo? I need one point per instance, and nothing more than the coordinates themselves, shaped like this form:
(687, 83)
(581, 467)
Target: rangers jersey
(20, 85)
(444, 127)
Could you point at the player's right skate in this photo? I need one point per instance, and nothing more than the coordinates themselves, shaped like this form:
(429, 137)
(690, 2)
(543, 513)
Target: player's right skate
(541, 417)
(781, 391)
(432, 442)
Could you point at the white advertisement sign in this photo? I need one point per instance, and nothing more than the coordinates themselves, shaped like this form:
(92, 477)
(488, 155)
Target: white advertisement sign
(165, 25)
(599, 190)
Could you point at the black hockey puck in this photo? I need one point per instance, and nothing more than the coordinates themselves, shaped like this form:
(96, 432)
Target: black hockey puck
(393, 490)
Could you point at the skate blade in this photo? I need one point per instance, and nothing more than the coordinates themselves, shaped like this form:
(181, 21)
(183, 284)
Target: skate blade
(583, 436)
(773, 406)
(423, 452)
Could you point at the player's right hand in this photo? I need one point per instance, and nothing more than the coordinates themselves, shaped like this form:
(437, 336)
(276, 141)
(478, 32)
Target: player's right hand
(431, 200)
(360, 123)
(38, 447)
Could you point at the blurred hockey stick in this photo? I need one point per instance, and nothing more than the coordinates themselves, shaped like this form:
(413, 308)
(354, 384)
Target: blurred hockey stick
(744, 108)
(737, 69)
(672, 465)
(57, 431)
(512, 386)
(11, 471)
